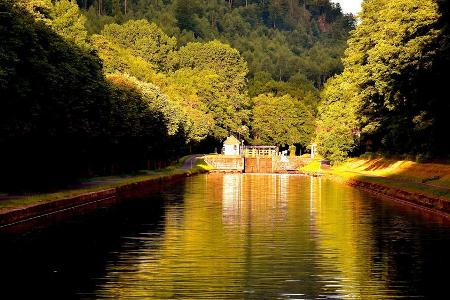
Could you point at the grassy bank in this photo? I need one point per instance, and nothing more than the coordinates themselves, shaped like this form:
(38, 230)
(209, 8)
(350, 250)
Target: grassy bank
(428, 179)
(10, 202)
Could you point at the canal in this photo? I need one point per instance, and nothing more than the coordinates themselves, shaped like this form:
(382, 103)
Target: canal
(235, 236)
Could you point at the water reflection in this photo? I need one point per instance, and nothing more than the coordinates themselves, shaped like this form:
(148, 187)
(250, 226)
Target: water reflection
(269, 236)
(248, 236)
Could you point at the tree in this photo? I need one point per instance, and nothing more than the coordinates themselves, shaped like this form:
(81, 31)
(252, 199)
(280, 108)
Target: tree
(387, 65)
(219, 57)
(144, 39)
(277, 11)
(185, 12)
(281, 121)
(53, 94)
(153, 112)
(193, 90)
(117, 59)
(69, 22)
(227, 98)
(63, 16)
(281, 37)
(338, 125)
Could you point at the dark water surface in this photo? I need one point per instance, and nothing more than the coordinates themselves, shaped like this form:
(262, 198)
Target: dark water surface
(235, 237)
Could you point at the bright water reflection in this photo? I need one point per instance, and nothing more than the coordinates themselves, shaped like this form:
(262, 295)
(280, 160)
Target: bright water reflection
(264, 237)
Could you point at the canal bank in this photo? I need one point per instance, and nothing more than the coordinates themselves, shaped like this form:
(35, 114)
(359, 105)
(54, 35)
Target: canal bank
(418, 184)
(32, 208)
(233, 236)
(423, 185)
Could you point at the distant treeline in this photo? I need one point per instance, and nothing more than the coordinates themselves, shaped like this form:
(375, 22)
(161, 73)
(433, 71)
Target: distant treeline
(112, 86)
(125, 95)
(291, 46)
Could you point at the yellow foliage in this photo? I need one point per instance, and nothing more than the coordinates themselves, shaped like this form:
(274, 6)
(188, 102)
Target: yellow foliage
(435, 174)
(313, 167)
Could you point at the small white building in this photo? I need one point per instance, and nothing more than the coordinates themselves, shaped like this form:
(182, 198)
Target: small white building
(231, 146)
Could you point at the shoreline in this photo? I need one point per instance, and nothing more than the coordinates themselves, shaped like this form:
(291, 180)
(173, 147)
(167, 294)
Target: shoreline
(430, 204)
(422, 185)
(21, 214)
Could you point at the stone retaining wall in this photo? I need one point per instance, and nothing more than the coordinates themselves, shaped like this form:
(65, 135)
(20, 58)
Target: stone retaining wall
(225, 163)
(128, 191)
(293, 163)
(416, 199)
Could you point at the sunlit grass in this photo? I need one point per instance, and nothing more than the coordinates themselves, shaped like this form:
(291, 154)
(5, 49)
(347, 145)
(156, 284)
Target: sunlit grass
(435, 174)
(427, 179)
(202, 165)
(313, 167)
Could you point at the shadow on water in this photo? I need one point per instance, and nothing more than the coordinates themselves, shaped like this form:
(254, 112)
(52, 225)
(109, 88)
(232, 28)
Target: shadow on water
(66, 255)
(412, 245)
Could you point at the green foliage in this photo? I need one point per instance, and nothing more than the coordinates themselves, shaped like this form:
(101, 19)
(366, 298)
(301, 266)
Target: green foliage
(185, 13)
(41, 73)
(60, 119)
(281, 121)
(223, 91)
(386, 92)
(338, 125)
(143, 108)
(191, 90)
(144, 39)
(53, 101)
(282, 37)
(156, 104)
(118, 59)
(68, 22)
(206, 81)
(107, 102)
(297, 86)
(63, 16)
(221, 58)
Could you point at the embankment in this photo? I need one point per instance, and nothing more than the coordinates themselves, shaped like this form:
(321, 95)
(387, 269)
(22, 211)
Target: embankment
(418, 184)
(34, 213)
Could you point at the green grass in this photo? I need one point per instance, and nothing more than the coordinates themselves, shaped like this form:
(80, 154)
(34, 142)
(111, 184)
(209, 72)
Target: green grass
(314, 167)
(430, 179)
(202, 165)
(102, 183)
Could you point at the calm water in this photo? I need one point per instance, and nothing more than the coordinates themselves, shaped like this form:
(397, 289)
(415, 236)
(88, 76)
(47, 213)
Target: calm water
(235, 237)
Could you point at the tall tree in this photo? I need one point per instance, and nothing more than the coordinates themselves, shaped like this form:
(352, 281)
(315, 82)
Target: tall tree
(62, 16)
(281, 121)
(229, 107)
(143, 38)
(388, 60)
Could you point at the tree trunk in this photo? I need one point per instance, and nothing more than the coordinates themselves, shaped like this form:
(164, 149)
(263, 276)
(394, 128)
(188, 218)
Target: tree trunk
(100, 7)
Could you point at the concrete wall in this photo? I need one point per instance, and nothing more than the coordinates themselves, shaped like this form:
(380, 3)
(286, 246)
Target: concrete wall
(225, 163)
(293, 163)
(24, 218)
(256, 164)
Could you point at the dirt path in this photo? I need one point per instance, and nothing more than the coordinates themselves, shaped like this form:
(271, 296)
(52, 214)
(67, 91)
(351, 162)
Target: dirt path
(190, 161)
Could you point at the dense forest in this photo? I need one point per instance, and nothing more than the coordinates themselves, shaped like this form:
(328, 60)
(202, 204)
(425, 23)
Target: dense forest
(392, 96)
(108, 86)
(112, 86)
